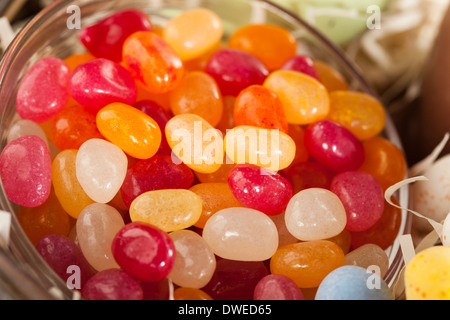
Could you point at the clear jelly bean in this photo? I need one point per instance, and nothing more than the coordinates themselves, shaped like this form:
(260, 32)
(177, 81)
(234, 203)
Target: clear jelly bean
(96, 226)
(351, 283)
(153, 62)
(277, 287)
(370, 257)
(315, 214)
(101, 168)
(303, 64)
(193, 32)
(25, 170)
(190, 294)
(158, 172)
(260, 189)
(144, 251)
(308, 174)
(43, 91)
(140, 140)
(334, 146)
(112, 284)
(307, 263)
(242, 234)
(105, 38)
(168, 209)
(99, 82)
(305, 100)
(26, 128)
(258, 106)
(362, 197)
(330, 77)
(198, 93)
(235, 70)
(194, 263)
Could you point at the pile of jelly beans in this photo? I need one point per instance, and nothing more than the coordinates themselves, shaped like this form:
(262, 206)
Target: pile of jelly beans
(135, 166)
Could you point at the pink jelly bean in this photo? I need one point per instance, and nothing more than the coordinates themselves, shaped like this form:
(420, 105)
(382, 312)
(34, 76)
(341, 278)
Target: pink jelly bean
(99, 82)
(44, 90)
(277, 287)
(260, 189)
(112, 284)
(235, 70)
(144, 251)
(66, 259)
(303, 64)
(362, 197)
(26, 171)
(105, 38)
(158, 172)
(334, 146)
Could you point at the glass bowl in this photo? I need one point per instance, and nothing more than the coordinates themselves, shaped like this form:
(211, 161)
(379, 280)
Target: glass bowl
(48, 34)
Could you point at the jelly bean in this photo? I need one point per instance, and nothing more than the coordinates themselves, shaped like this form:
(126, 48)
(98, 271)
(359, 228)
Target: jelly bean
(221, 175)
(153, 62)
(277, 287)
(284, 236)
(270, 149)
(272, 44)
(241, 234)
(25, 128)
(227, 120)
(297, 133)
(251, 186)
(101, 168)
(190, 294)
(362, 197)
(370, 257)
(48, 218)
(353, 283)
(168, 209)
(198, 93)
(215, 196)
(259, 107)
(305, 100)
(307, 263)
(97, 225)
(144, 251)
(315, 214)
(199, 63)
(195, 142)
(308, 175)
(62, 255)
(43, 91)
(140, 140)
(235, 70)
(158, 172)
(160, 98)
(99, 82)
(334, 146)
(359, 112)
(112, 284)
(194, 263)
(25, 170)
(73, 126)
(193, 32)
(303, 64)
(330, 77)
(157, 290)
(343, 240)
(105, 38)
(74, 60)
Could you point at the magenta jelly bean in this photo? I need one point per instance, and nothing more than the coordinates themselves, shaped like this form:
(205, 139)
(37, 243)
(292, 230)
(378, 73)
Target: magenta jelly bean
(277, 287)
(66, 259)
(99, 82)
(362, 197)
(303, 64)
(105, 38)
(44, 91)
(26, 171)
(260, 189)
(112, 284)
(144, 251)
(158, 172)
(334, 146)
(235, 70)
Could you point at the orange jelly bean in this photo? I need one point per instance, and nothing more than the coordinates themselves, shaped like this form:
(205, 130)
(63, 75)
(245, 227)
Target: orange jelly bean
(331, 78)
(227, 120)
(297, 133)
(74, 60)
(190, 294)
(221, 175)
(307, 263)
(271, 44)
(136, 133)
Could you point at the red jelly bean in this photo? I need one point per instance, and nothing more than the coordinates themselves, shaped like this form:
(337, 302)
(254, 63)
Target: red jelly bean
(303, 64)
(105, 38)
(99, 82)
(362, 197)
(158, 290)
(334, 146)
(235, 70)
(144, 251)
(309, 174)
(277, 287)
(158, 172)
(259, 188)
